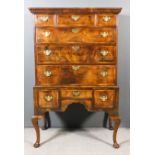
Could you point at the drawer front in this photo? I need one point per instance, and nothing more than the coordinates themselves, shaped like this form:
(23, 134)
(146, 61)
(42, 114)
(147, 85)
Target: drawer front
(76, 74)
(106, 20)
(75, 54)
(44, 20)
(105, 98)
(47, 35)
(75, 93)
(48, 99)
(75, 20)
(71, 35)
(104, 54)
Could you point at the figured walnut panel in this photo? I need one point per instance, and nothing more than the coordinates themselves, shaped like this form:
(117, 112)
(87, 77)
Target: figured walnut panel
(71, 35)
(44, 20)
(52, 37)
(94, 35)
(104, 54)
(76, 93)
(75, 20)
(75, 74)
(105, 98)
(75, 54)
(53, 103)
(106, 20)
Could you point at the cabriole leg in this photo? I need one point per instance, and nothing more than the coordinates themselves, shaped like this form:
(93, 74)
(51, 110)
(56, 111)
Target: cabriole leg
(36, 126)
(117, 122)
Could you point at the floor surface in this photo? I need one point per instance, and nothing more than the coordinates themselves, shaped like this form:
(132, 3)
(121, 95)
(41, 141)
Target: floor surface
(89, 141)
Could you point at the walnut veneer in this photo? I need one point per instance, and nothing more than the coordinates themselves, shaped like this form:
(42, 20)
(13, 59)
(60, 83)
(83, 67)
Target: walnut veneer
(75, 62)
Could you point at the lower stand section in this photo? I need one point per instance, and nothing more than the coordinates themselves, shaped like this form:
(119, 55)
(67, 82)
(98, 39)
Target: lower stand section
(35, 120)
(115, 119)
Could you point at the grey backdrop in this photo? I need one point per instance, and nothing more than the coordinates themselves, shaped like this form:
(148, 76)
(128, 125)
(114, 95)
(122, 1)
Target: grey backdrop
(76, 114)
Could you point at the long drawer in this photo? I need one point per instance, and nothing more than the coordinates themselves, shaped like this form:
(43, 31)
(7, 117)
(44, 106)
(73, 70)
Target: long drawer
(71, 35)
(75, 54)
(76, 74)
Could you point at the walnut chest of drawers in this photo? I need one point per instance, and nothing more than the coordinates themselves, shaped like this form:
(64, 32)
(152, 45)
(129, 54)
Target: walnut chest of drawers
(75, 62)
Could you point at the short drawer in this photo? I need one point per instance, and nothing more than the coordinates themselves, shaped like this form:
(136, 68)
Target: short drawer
(76, 74)
(75, 93)
(44, 20)
(75, 35)
(106, 20)
(75, 54)
(48, 99)
(75, 20)
(105, 98)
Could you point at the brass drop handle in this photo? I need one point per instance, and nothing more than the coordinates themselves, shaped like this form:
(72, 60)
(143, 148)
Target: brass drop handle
(104, 98)
(43, 18)
(46, 34)
(47, 51)
(104, 73)
(76, 48)
(47, 73)
(75, 30)
(104, 34)
(106, 18)
(75, 17)
(48, 98)
(104, 52)
(76, 93)
(75, 68)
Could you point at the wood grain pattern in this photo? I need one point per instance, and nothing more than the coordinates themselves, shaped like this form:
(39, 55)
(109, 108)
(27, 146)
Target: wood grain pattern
(75, 54)
(76, 93)
(44, 20)
(101, 20)
(84, 35)
(85, 75)
(43, 103)
(109, 102)
(75, 20)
